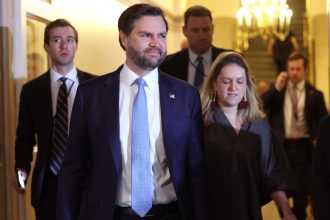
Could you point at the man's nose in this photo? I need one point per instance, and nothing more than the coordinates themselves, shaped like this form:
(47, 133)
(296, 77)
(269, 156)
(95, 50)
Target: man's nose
(63, 44)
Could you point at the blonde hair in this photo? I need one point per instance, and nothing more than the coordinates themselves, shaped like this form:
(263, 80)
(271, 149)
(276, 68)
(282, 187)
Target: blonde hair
(254, 110)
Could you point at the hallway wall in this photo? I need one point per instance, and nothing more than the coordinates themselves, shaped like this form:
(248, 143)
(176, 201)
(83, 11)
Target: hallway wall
(319, 33)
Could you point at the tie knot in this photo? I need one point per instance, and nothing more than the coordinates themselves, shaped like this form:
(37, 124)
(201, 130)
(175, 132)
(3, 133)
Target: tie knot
(140, 82)
(63, 79)
(294, 88)
(199, 59)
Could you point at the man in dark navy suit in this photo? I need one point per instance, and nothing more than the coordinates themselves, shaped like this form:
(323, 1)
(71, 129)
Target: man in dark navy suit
(198, 29)
(295, 108)
(37, 111)
(102, 138)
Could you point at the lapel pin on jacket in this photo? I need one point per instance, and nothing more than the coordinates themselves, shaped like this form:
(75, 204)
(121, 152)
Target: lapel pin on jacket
(172, 96)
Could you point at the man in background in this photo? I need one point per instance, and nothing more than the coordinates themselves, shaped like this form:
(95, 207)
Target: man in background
(192, 64)
(295, 108)
(44, 114)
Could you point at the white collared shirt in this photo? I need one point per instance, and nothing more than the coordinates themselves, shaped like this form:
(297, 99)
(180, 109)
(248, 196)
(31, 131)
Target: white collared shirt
(163, 187)
(71, 84)
(287, 108)
(192, 64)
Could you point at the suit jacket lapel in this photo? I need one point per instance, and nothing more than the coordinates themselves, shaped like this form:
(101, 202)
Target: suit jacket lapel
(308, 99)
(109, 97)
(185, 63)
(44, 100)
(281, 100)
(168, 99)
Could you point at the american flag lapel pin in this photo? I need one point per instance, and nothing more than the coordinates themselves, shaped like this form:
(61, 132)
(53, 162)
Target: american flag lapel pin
(172, 96)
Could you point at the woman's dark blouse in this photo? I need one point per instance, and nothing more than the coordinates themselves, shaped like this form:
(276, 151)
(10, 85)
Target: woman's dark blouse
(243, 169)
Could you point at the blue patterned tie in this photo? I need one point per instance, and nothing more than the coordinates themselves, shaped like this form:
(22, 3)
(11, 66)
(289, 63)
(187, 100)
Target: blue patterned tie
(60, 129)
(199, 74)
(141, 164)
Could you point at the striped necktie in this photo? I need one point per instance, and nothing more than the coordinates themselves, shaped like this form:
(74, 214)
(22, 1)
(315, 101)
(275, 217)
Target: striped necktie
(294, 117)
(60, 129)
(199, 74)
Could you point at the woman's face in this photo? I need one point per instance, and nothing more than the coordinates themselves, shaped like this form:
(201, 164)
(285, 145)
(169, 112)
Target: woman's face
(230, 86)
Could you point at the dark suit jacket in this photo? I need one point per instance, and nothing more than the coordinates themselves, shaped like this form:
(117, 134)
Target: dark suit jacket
(94, 141)
(35, 123)
(177, 64)
(315, 109)
(321, 172)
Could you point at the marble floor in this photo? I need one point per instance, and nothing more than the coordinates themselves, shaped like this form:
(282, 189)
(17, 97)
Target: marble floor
(269, 212)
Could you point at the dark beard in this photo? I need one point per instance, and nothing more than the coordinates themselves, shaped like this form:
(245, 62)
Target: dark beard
(142, 61)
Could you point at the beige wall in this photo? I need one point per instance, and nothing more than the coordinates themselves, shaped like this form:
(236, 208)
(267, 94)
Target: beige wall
(224, 19)
(96, 20)
(99, 51)
(321, 61)
(320, 42)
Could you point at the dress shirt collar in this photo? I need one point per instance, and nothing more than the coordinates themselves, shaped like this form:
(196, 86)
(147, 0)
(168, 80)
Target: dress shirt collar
(206, 56)
(72, 75)
(300, 86)
(127, 76)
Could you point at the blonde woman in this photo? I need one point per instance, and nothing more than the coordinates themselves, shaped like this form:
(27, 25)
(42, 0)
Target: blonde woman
(246, 166)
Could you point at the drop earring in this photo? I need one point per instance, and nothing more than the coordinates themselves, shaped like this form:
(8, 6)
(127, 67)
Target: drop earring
(213, 104)
(244, 104)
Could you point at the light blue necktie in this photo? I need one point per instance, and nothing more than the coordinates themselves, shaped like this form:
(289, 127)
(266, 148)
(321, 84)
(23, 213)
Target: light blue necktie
(141, 164)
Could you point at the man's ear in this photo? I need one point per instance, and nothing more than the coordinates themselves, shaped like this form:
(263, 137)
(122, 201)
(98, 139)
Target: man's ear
(123, 39)
(184, 31)
(46, 47)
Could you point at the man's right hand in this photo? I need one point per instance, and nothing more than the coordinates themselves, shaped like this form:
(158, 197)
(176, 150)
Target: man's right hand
(281, 80)
(15, 182)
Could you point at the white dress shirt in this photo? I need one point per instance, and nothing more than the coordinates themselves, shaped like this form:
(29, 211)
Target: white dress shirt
(302, 131)
(72, 83)
(163, 187)
(192, 64)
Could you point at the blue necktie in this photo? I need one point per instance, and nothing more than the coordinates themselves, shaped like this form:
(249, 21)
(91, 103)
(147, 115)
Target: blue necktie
(60, 129)
(141, 165)
(199, 74)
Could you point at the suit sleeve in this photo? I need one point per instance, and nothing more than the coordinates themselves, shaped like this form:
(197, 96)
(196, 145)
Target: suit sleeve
(268, 98)
(321, 173)
(196, 163)
(25, 133)
(72, 178)
(320, 113)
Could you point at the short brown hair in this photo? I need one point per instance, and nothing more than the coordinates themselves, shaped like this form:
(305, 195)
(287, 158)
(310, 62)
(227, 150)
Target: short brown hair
(58, 23)
(197, 11)
(297, 56)
(135, 12)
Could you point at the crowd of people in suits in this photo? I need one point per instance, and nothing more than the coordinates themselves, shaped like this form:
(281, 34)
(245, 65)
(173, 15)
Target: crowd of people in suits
(170, 137)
